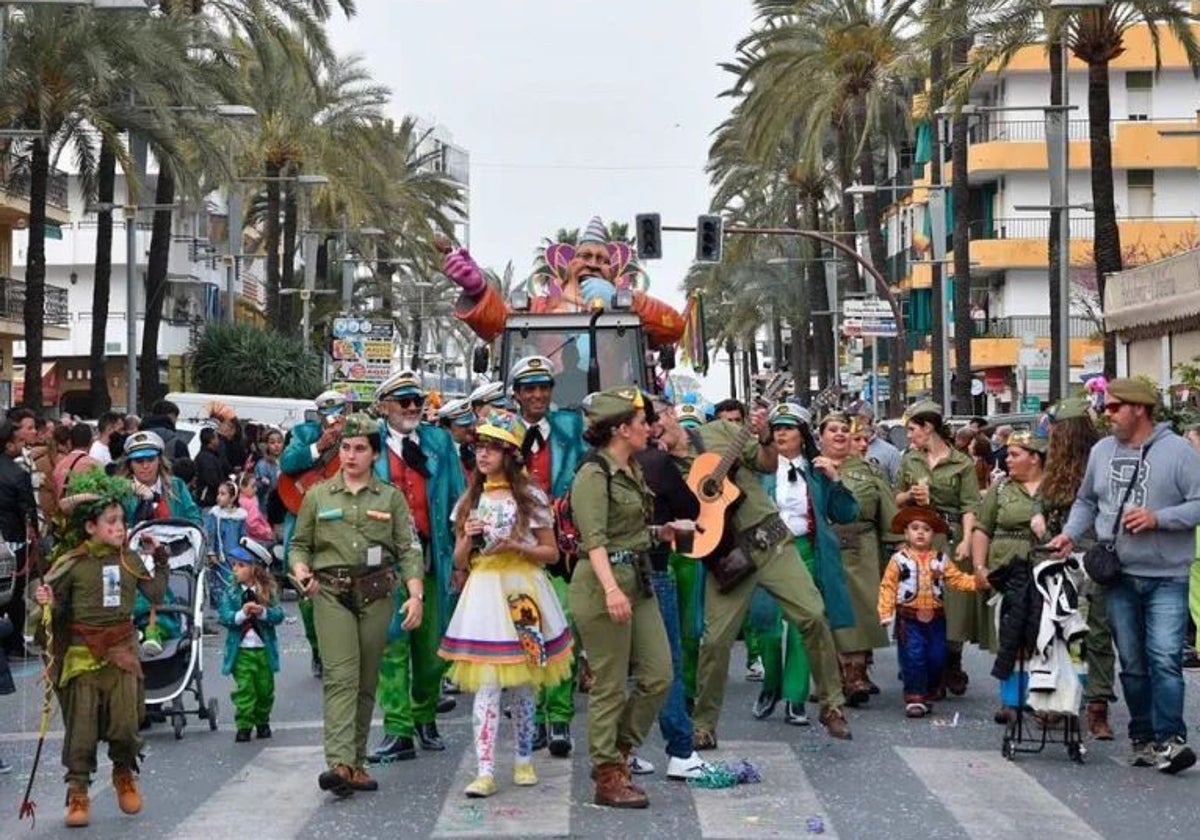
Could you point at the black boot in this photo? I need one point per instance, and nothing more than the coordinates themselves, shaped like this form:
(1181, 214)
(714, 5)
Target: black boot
(446, 704)
(318, 670)
(263, 730)
(242, 736)
(764, 706)
(427, 735)
(541, 736)
(393, 748)
(560, 740)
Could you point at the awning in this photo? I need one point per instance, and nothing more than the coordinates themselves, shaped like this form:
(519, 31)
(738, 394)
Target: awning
(50, 384)
(1167, 290)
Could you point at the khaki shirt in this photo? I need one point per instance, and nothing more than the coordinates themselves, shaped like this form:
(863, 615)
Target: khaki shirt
(614, 513)
(1004, 516)
(756, 504)
(337, 528)
(876, 504)
(953, 485)
(82, 578)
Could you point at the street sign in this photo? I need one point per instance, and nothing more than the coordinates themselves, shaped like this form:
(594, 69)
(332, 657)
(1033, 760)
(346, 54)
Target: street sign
(362, 350)
(1031, 402)
(870, 318)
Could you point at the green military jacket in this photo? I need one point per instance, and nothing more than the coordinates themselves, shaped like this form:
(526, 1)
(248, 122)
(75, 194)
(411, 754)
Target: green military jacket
(370, 528)
(611, 512)
(876, 504)
(755, 504)
(953, 486)
(95, 585)
(1004, 516)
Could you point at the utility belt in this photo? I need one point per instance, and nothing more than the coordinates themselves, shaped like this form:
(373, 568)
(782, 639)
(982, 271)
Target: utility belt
(1012, 534)
(848, 534)
(922, 615)
(355, 587)
(766, 534)
(953, 519)
(639, 561)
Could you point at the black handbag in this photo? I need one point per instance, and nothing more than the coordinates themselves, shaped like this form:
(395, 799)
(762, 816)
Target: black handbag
(1100, 561)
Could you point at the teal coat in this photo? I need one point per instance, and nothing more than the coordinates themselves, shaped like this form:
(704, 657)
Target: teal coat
(179, 500)
(566, 449)
(832, 502)
(442, 489)
(231, 602)
(296, 458)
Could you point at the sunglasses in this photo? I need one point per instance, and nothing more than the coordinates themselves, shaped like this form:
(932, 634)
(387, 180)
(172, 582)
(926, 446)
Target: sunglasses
(408, 402)
(1112, 407)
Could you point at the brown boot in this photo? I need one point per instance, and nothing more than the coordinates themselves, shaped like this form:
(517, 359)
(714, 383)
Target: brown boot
(835, 724)
(1097, 720)
(854, 678)
(361, 780)
(954, 678)
(613, 791)
(78, 805)
(337, 780)
(129, 798)
(625, 750)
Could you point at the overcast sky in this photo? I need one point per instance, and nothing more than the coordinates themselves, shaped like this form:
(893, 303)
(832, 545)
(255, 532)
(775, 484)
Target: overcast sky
(566, 108)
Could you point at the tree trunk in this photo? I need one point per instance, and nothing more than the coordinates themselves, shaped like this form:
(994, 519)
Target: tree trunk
(749, 365)
(824, 355)
(288, 272)
(274, 312)
(156, 287)
(731, 350)
(1056, 351)
(849, 277)
(101, 400)
(939, 364)
(418, 341)
(35, 274)
(801, 312)
(897, 364)
(1107, 244)
(961, 191)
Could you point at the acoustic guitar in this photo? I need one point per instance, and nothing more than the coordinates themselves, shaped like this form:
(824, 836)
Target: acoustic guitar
(291, 488)
(709, 479)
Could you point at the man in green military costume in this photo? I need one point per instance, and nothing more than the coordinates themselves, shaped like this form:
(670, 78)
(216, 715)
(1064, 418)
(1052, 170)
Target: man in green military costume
(935, 474)
(419, 460)
(311, 444)
(352, 534)
(780, 571)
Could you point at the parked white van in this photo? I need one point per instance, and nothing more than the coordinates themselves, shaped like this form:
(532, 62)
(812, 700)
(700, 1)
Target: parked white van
(274, 411)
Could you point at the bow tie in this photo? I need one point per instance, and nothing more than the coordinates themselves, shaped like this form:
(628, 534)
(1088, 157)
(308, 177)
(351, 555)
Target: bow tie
(533, 441)
(413, 456)
(793, 474)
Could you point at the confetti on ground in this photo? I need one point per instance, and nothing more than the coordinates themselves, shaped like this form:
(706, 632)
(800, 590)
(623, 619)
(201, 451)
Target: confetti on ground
(814, 824)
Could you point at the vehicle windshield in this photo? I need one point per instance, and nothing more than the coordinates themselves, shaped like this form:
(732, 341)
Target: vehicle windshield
(618, 352)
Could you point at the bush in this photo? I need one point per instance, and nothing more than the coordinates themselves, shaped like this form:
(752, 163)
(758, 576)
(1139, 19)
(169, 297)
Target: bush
(245, 360)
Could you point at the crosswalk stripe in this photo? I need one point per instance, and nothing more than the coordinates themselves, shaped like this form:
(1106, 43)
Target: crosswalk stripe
(280, 778)
(543, 810)
(991, 797)
(779, 806)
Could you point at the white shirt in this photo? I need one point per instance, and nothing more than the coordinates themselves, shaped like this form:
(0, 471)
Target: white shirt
(395, 440)
(251, 639)
(101, 453)
(542, 426)
(792, 496)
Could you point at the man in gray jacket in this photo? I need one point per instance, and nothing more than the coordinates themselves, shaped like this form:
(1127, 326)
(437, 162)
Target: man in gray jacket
(1155, 541)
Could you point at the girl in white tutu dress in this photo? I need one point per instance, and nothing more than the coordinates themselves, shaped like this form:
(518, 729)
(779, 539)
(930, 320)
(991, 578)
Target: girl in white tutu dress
(508, 630)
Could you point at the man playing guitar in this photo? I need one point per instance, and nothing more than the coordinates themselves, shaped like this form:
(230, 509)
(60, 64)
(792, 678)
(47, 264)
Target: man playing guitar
(309, 457)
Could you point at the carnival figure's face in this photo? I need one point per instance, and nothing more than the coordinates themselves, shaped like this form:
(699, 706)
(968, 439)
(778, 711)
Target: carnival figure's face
(534, 400)
(145, 470)
(591, 260)
(109, 527)
(835, 439)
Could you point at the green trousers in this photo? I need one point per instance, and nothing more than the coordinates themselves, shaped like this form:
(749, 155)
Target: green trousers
(785, 667)
(253, 693)
(689, 583)
(1098, 648)
(783, 574)
(556, 704)
(410, 679)
(636, 649)
(351, 650)
(310, 627)
(101, 705)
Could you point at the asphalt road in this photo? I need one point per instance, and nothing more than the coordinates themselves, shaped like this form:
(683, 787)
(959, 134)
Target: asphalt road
(941, 777)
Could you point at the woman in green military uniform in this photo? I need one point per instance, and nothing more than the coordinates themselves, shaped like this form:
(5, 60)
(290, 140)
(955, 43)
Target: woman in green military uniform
(860, 542)
(610, 595)
(934, 474)
(353, 533)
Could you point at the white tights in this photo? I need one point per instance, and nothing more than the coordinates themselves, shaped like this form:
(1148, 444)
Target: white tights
(485, 718)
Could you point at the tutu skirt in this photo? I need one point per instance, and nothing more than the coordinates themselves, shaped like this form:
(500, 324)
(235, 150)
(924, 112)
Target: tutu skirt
(508, 628)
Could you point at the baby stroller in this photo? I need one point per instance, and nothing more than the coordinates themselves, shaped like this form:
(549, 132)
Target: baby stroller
(179, 667)
(1038, 620)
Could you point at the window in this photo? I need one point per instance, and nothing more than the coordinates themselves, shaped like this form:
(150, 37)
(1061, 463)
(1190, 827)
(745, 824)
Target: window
(1141, 193)
(1139, 85)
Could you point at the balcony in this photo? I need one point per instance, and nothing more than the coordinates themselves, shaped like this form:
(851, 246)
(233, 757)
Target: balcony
(1021, 242)
(1019, 326)
(12, 303)
(14, 194)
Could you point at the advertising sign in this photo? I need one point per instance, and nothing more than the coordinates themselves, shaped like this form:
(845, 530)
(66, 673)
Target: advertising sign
(361, 353)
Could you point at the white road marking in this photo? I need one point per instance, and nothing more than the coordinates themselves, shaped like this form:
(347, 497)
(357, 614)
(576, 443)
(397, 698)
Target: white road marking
(282, 778)
(993, 798)
(778, 806)
(543, 810)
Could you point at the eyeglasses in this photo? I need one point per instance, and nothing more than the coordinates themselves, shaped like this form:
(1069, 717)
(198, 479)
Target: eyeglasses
(1112, 407)
(408, 402)
(483, 444)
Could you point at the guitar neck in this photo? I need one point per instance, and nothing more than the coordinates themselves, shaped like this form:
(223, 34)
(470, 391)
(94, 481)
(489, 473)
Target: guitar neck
(732, 452)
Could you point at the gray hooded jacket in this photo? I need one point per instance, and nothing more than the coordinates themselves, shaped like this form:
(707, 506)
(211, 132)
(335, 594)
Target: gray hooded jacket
(1168, 483)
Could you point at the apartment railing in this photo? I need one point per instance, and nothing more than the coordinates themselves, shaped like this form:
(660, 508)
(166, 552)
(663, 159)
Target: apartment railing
(12, 303)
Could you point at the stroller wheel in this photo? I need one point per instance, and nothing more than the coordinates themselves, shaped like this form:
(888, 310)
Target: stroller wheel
(1008, 749)
(178, 719)
(212, 714)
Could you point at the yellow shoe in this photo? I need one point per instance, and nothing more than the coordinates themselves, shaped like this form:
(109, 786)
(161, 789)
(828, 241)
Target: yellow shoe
(524, 775)
(481, 788)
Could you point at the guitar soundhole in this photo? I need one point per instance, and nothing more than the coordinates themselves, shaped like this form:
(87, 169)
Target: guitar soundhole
(710, 489)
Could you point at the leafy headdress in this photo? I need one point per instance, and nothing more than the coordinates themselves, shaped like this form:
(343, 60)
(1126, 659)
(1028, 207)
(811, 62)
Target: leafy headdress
(86, 496)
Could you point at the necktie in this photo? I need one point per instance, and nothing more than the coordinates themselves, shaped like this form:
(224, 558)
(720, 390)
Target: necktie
(793, 475)
(532, 444)
(413, 456)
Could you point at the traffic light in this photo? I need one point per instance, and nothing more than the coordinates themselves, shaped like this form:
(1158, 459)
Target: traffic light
(649, 236)
(710, 229)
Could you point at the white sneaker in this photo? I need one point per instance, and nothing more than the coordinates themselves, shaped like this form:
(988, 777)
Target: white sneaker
(692, 767)
(754, 671)
(639, 766)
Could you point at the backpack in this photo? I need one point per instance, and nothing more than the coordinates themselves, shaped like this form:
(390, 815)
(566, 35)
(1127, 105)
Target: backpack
(565, 530)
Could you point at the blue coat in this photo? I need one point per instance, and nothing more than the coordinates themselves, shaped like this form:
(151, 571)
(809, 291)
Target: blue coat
(442, 489)
(566, 449)
(231, 602)
(831, 502)
(223, 530)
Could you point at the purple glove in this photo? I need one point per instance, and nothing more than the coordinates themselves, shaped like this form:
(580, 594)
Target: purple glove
(464, 272)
